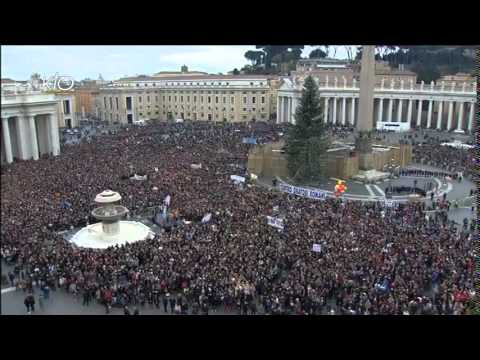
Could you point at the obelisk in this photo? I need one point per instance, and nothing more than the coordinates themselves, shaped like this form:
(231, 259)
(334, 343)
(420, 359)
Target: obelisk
(363, 144)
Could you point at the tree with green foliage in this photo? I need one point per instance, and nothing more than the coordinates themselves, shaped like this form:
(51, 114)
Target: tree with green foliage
(236, 72)
(307, 142)
(317, 53)
(256, 57)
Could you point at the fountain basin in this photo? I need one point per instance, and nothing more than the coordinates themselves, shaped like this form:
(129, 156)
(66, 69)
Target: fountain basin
(94, 237)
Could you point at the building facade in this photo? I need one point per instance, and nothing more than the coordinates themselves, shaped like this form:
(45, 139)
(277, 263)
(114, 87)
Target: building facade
(219, 98)
(67, 117)
(29, 125)
(85, 101)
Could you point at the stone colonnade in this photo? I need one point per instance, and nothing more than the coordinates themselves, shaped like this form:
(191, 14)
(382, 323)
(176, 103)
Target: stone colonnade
(429, 114)
(29, 136)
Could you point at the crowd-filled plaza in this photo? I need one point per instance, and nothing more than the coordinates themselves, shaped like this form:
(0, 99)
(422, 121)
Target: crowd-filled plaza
(410, 258)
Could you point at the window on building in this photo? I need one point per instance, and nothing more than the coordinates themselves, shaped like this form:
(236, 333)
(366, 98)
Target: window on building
(224, 100)
(148, 98)
(244, 117)
(181, 98)
(175, 98)
(244, 109)
(156, 112)
(188, 98)
(111, 105)
(244, 99)
(156, 98)
(232, 100)
(263, 99)
(138, 85)
(253, 99)
(66, 107)
(116, 102)
(169, 98)
(139, 99)
(194, 99)
(209, 99)
(216, 99)
(232, 109)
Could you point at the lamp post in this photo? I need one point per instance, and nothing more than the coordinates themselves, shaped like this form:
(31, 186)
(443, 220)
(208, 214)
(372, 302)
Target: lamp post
(390, 168)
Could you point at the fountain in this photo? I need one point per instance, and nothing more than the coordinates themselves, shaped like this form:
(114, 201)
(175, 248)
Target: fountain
(110, 231)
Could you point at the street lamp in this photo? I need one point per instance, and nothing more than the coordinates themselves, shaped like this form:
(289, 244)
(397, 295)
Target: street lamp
(390, 168)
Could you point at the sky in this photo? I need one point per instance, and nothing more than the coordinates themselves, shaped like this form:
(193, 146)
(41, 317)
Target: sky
(113, 62)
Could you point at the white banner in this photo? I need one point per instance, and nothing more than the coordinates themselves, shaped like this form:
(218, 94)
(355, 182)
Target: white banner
(309, 193)
(207, 218)
(317, 248)
(237, 178)
(388, 202)
(275, 222)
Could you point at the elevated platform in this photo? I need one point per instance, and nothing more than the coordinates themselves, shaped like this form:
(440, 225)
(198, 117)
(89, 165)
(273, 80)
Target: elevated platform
(371, 176)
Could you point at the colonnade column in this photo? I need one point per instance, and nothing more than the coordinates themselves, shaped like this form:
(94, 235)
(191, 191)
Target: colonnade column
(390, 110)
(439, 117)
(290, 116)
(325, 111)
(460, 116)
(429, 115)
(278, 109)
(419, 115)
(7, 141)
(409, 112)
(450, 115)
(282, 112)
(470, 116)
(380, 111)
(334, 120)
(344, 111)
(55, 146)
(352, 115)
(33, 134)
(399, 112)
(294, 108)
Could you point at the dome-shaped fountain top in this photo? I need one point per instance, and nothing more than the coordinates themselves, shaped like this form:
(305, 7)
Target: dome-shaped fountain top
(108, 197)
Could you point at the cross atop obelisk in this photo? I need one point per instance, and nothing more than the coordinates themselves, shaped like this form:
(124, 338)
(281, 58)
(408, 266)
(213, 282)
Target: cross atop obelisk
(367, 83)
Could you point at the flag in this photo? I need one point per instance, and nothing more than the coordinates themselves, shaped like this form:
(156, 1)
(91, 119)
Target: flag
(206, 218)
(167, 200)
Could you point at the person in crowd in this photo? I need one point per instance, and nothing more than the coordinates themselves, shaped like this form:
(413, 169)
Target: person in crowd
(30, 303)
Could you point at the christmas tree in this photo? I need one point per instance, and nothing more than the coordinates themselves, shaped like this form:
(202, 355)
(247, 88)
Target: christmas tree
(307, 141)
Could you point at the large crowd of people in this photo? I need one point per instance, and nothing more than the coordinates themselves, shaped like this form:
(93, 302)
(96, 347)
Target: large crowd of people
(373, 259)
(453, 160)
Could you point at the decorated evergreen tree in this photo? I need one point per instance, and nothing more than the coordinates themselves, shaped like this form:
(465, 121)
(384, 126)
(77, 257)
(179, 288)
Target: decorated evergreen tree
(307, 141)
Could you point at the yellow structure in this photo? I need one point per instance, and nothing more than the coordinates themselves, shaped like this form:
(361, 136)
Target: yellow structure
(269, 160)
